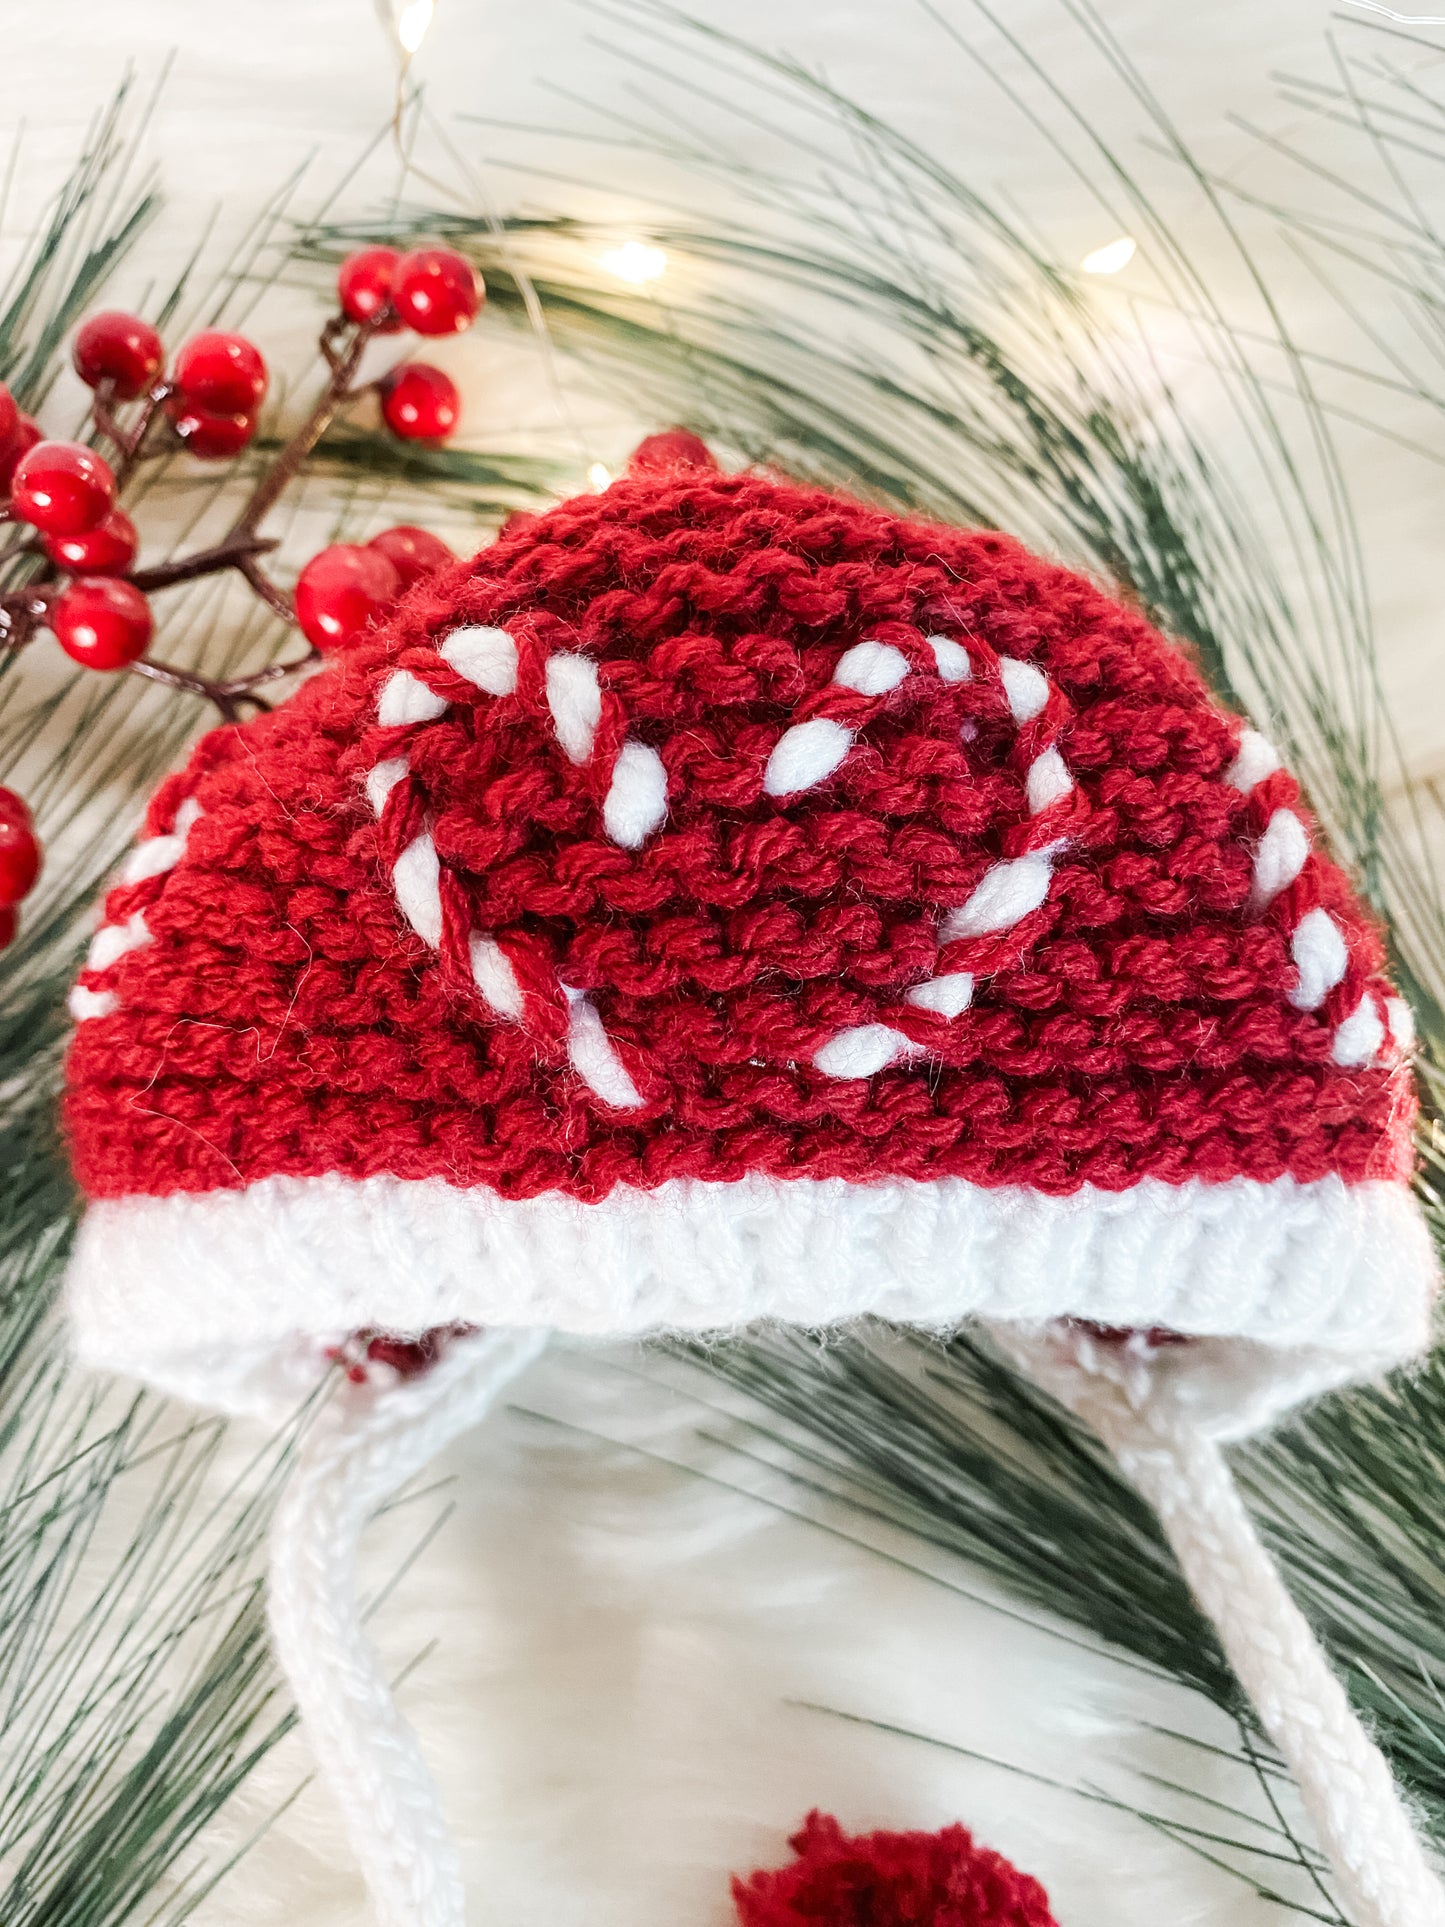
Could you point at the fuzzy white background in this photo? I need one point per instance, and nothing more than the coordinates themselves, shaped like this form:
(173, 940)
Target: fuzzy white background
(625, 1658)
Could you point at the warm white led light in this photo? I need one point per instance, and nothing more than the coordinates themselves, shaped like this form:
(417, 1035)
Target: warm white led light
(1112, 257)
(635, 261)
(412, 23)
(599, 475)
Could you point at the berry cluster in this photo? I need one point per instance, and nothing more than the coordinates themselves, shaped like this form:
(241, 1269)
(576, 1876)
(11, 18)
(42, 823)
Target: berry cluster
(84, 586)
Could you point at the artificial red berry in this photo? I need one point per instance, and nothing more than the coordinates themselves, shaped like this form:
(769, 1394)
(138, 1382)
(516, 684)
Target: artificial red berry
(19, 854)
(62, 488)
(13, 807)
(101, 622)
(419, 403)
(26, 434)
(118, 348)
(8, 923)
(108, 549)
(341, 591)
(363, 285)
(673, 448)
(223, 374)
(209, 436)
(412, 552)
(9, 417)
(436, 291)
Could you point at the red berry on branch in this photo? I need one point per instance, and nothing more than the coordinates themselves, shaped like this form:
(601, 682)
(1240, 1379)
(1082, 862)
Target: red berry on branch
(26, 434)
(437, 291)
(61, 488)
(363, 284)
(223, 374)
(19, 852)
(13, 807)
(412, 552)
(341, 591)
(102, 623)
(8, 924)
(673, 448)
(209, 436)
(10, 417)
(419, 403)
(118, 348)
(108, 549)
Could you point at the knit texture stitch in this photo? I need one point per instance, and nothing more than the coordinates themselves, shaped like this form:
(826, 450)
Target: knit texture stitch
(713, 826)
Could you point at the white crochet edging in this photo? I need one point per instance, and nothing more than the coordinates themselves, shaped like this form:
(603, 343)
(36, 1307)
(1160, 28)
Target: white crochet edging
(213, 1294)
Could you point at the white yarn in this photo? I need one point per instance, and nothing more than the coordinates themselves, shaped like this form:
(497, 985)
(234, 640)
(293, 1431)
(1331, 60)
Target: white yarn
(574, 697)
(111, 942)
(872, 668)
(589, 1049)
(1401, 1020)
(486, 657)
(415, 876)
(361, 1448)
(1359, 1038)
(153, 858)
(1006, 893)
(636, 801)
(84, 1004)
(199, 1292)
(1257, 758)
(1320, 956)
(805, 755)
(861, 1051)
(405, 699)
(1026, 687)
(1048, 781)
(383, 779)
(951, 659)
(1372, 1848)
(493, 975)
(949, 995)
(1281, 855)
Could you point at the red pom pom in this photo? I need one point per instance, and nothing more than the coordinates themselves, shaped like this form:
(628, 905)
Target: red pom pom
(223, 374)
(673, 448)
(118, 348)
(412, 552)
(419, 403)
(890, 1880)
(62, 488)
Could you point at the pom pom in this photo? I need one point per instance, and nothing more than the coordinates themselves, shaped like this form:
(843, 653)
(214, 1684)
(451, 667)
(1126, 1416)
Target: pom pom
(890, 1880)
(673, 448)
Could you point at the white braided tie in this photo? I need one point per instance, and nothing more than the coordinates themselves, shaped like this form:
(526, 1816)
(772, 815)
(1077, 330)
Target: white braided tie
(1376, 1856)
(365, 1445)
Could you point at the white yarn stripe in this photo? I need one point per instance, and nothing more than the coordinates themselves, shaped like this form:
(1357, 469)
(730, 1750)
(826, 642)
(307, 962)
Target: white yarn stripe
(1026, 687)
(1005, 894)
(1256, 759)
(636, 801)
(1047, 782)
(360, 1449)
(574, 697)
(486, 657)
(1401, 1020)
(949, 995)
(951, 659)
(861, 1051)
(805, 755)
(1282, 853)
(592, 1057)
(1359, 1038)
(382, 780)
(113, 940)
(406, 700)
(872, 668)
(415, 877)
(84, 1004)
(493, 975)
(1320, 957)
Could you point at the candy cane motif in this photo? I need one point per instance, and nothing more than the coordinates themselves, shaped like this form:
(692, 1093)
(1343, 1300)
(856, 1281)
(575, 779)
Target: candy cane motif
(151, 858)
(1369, 1022)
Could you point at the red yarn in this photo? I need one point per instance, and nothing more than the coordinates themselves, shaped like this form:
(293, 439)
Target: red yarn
(284, 1019)
(890, 1880)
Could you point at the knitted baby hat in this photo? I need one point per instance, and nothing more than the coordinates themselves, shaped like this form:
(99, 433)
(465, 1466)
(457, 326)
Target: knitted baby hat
(720, 901)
